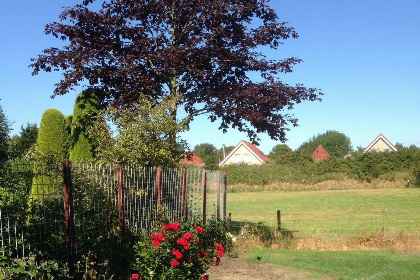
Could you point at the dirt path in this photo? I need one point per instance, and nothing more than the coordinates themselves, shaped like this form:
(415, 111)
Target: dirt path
(239, 269)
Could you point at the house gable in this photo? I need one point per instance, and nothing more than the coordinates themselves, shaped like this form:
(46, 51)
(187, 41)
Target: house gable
(244, 152)
(320, 154)
(380, 144)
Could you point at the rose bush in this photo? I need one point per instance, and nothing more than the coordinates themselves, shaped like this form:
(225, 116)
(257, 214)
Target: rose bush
(179, 251)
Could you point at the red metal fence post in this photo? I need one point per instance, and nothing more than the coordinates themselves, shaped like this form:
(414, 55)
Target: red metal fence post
(184, 194)
(218, 195)
(224, 195)
(204, 196)
(68, 203)
(120, 173)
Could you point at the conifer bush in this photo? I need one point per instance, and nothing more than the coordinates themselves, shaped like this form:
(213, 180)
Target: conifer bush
(85, 109)
(51, 148)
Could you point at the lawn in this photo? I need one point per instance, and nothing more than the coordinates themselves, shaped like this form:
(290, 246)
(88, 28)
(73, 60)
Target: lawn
(378, 264)
(334, 213)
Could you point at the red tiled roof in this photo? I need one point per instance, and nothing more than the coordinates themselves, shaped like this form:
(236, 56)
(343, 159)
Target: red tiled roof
(192, 159)
(320, 154)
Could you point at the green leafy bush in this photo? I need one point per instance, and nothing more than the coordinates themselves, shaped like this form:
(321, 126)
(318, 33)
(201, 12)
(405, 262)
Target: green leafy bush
(85, 110)
(179, 251)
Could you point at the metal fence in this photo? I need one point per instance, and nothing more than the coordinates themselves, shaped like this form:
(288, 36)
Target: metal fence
(61, 209)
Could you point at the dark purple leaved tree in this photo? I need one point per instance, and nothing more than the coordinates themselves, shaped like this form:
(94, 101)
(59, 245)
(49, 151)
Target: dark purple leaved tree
(197, 53)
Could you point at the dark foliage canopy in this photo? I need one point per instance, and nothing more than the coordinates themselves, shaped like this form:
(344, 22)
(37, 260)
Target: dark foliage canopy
(21, 144)
(198, 53)
(208, 153)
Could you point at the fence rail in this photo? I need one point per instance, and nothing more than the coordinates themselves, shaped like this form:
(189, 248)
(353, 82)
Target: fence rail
(60, 209)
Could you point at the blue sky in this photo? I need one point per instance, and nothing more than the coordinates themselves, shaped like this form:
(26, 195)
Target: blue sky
(363, 54)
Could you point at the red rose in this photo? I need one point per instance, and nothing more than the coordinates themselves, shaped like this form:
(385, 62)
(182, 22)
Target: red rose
(174, 226)
(135, 276)
(182, 241)
(156, 243)
(174, 263)
(204, 277)
(177, 254)
(199, 229)
(188, 236)
(187, 247)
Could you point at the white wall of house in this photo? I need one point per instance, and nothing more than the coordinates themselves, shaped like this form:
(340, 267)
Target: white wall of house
(243, 155)
(380, 146)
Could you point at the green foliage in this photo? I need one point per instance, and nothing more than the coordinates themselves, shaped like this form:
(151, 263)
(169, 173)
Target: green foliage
(335, 143)
(85, 109)
(21, 144)
(4, 136)
(140, 135)
(51, 148)
(29, 269)
(279, 150)
(209, 154)
(298, 167)
(52, 141)
(179, 251)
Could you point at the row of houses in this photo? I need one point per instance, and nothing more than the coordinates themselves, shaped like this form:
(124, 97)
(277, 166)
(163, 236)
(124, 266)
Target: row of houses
(247, 153)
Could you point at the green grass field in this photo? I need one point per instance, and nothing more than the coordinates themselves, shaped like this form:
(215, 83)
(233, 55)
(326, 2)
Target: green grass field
(350, 265)
(335, 213)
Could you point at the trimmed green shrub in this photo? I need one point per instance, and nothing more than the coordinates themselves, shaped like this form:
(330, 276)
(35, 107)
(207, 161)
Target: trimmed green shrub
(85, 109)
(51, 148)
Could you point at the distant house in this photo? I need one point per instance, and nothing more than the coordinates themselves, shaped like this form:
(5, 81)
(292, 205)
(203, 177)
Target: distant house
(320, 154)
(246, 153)
(380, 144)
(193, 159)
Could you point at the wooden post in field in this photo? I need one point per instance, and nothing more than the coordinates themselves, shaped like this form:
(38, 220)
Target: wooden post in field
(218, 196)
(203, 181)
(121, 215)
(224, 195)
(184, 194)
(279, 220)
(230, 222)
(68, 203)
(385, 230)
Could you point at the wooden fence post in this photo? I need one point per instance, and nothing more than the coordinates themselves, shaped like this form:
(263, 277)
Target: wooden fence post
(385, 228)
(120, 173)
(224, 195)
(184, 194)
(68, 203)
(279, 220)
(159, 185)
(204, 196)
(218, 196)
